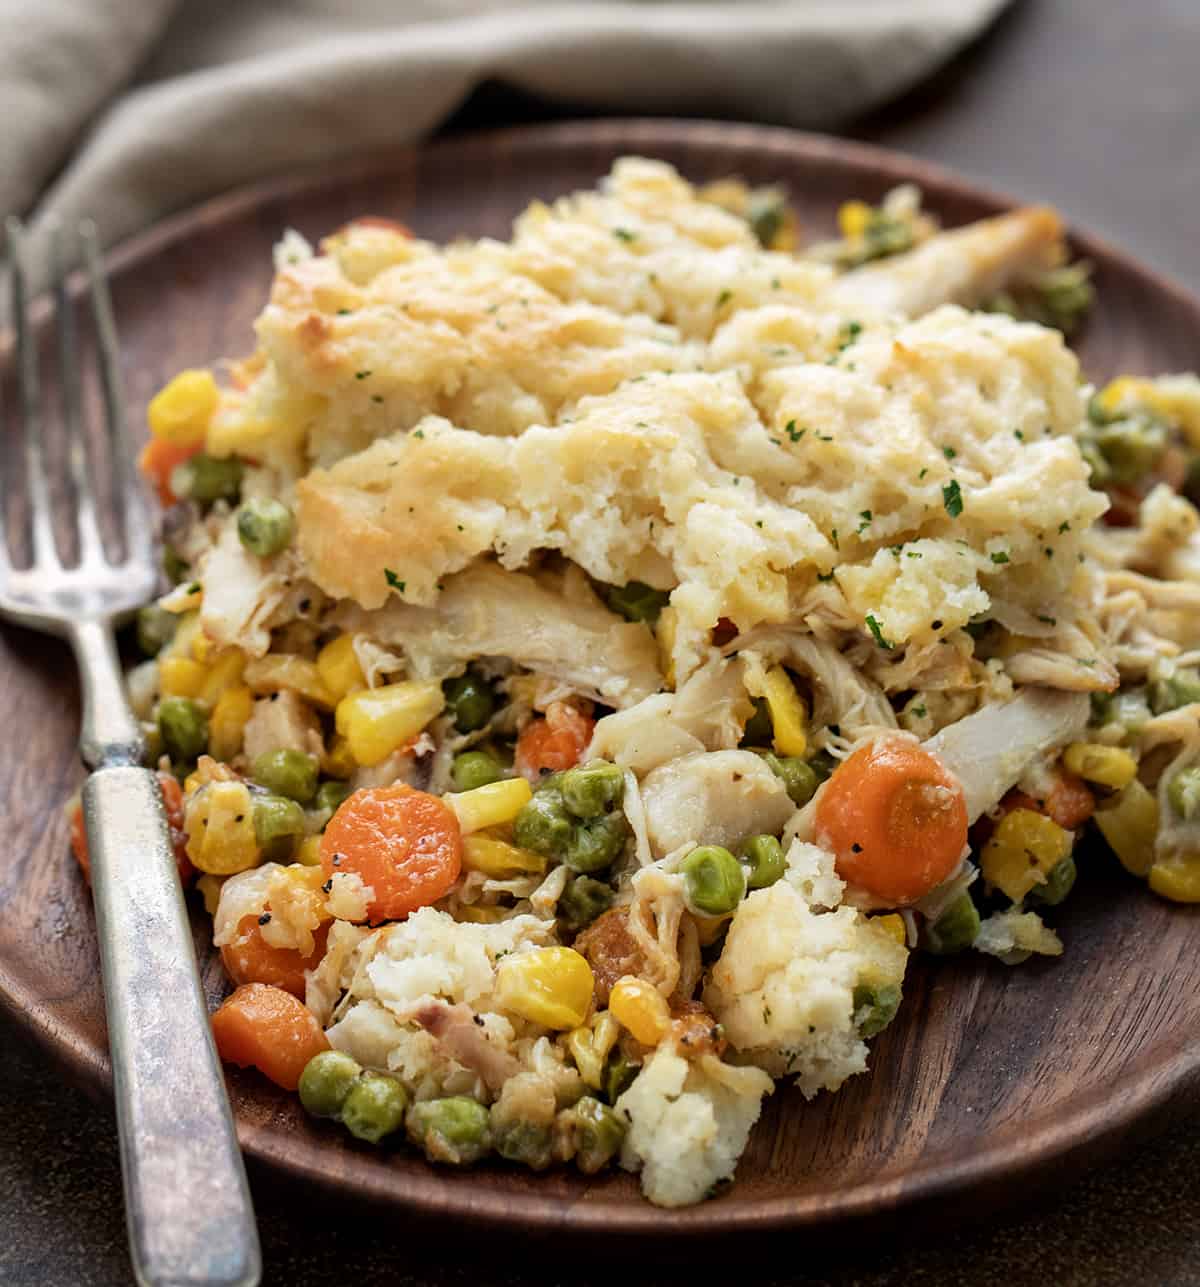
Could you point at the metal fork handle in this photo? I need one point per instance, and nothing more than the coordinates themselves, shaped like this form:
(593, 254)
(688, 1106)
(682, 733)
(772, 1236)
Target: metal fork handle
(187, 1204)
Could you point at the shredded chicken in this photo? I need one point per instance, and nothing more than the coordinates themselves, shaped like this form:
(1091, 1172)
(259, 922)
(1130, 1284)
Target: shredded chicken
(456, 1031)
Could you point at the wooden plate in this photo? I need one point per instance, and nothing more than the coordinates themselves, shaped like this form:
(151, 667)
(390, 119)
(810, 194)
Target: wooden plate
(991, 1082)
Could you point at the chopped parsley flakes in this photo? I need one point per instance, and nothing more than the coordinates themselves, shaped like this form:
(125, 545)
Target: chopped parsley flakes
(393, 580)
(999, 557)
(877, 633)
(952, 498)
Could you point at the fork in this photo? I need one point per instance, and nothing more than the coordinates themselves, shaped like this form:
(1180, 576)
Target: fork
(187, 1204)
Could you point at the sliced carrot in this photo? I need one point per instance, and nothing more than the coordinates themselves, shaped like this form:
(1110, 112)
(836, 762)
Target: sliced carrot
(262, 1027)
(555, 743)
(1068, 801)
(895, 819)
(172, 794)
(404, 843)
(158, 462)
(249, 958)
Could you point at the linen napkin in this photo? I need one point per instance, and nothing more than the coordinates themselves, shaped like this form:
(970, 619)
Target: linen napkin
(125, 110)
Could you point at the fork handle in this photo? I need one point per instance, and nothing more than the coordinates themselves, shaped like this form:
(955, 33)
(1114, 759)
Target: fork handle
(187, 1204)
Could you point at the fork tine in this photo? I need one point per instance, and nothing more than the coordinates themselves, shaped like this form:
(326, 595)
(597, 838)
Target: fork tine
(135, 517)
(91, 547)
(41, 527)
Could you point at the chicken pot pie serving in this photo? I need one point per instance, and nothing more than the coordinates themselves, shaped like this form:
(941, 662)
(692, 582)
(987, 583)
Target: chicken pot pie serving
(596, 660)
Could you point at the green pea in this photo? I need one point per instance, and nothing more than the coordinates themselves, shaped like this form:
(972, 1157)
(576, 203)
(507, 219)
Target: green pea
(278, 825)
(618, 1076)
(206, 479)
(1130, 447)
(471, 769)
(544, 825)
(184, 728)
(796, 774)
(525, 1142)
(598, 1132)
(174, 567)
(766, 210)
(155, 628)
(286, 772)
(330, 795)
(591, 789)
(471, 702)
(764, 857)
(264, 526)
(1181, 689)
(1130, 708)
(326, 1081)
(758, 730)
(595, 843)
(1059, 882)
(455, 1130)
(583, 900)
(637, 601)
(875, 1007)
(1063, 296)
(1183, 793)
(374, 1107)
(714, 881)
(955, 929)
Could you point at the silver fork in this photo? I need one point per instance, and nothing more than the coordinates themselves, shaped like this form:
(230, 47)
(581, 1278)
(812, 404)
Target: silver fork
(187, 1205)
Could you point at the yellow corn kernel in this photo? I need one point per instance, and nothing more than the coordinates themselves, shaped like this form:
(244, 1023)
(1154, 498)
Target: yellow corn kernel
(182, 644)
(224, 671)
(308, 853)
(893, 926)
(227, 724)
(853, 218)
(789, 719)
(664, 634)
(220, 829)
(236, 430)
(180, 677)
(498, 859)
(1022, 851)
(589, 1046)
(179, 413)
(338, 667)
(547, 985)
(1110, 766)
(277, 671)
(378, 721)
(489, 806)
(641, 1008)
(1123, 391)
(338, 761)
(210, 890)
(1177, 878)
(481, 913)
(1129, 822)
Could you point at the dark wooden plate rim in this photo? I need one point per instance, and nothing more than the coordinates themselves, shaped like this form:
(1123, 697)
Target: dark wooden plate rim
(1167, 1079)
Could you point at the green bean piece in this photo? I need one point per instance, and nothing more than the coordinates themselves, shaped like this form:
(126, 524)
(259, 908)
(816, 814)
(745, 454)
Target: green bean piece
(875, 1007)
(155, 628)
(1129, 447)
(955, 929)
(528, 1143)
(455, 1130)
(1060, 880)
(326, 1081)
(637, 601)
(287, 772)
(330, 795)
(766, 210)
(1181, 689)
(583, 900)
(796, 774)
(206, 479)
(544, 825)
(184, 728)
(374, 1107)
(595, 843)
(598, 1133)
(758, 730)
(618, 1076)
(471, 769)
(278, 826)
(764, 858)
(471, 702)
(1183, 793)
(264, 526)
(591, 789)
(714, 881)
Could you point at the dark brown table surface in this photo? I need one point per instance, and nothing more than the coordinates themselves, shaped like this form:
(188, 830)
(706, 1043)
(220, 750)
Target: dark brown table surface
(1092, 105)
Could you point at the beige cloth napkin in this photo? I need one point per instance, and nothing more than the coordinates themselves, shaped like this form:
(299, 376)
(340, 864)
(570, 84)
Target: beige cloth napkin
(128, 109)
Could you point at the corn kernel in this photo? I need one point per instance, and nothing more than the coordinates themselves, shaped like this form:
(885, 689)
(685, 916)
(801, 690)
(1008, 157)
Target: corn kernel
(789, 719)
(1022, 851)
(308, 853)
(498, 859)
(227, 724)
(1177, 878)
(1130, 824)
(378, 721)
(179, 413)
(233, 430)
(220, 829)
(893, 926)
(547, 985)
(224, 671)
(1125, 389)
(338, 667)
(489, 806)
(279, 671)
(183, 642)
(210, 890)
(853, 218)
(338, 761)
(180, 677)
(641, 1008)
(1110, 766)
(589, 1046)
(664, 634)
